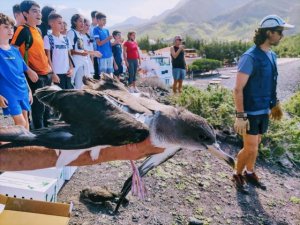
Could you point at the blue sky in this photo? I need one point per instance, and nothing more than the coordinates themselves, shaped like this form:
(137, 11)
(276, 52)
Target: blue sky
(116, 10)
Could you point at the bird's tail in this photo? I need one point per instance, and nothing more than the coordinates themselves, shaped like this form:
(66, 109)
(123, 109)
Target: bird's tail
(218, 152)
(150, 163)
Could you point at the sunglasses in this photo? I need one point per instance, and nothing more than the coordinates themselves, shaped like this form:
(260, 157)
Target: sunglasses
(279, 31)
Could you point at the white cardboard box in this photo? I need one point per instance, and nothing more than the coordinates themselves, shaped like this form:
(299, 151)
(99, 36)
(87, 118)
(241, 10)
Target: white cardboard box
(53, 172)
(28, 187)
(69, 171)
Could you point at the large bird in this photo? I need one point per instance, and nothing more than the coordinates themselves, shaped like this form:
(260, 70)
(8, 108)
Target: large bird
(106, 114)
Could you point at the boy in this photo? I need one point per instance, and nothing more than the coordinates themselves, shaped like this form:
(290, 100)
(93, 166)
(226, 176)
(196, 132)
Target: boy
(117, 54)
(29, 40)
(57, 49)
(20, 20)
(103, 38)
(91, 33)
(15, 94)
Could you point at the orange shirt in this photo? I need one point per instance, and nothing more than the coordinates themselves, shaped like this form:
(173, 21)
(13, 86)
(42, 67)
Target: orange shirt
(37, 58)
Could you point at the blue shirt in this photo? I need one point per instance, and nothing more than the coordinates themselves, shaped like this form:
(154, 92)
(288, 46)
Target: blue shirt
(101, 34)
(13, 85)
(245, 66)
(117, 52)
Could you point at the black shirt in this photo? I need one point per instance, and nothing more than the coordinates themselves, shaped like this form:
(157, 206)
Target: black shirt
(179, 62)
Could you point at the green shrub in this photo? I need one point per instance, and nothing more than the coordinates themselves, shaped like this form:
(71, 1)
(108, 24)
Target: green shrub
(205, 65)
(293, 105)
(214, 104)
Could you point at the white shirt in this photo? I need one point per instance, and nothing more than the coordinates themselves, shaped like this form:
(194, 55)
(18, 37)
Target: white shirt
(60, 57)
(87, 44)
(78, 46)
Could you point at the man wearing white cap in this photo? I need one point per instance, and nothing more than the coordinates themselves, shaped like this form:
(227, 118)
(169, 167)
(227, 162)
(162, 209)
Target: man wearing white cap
(256, 98)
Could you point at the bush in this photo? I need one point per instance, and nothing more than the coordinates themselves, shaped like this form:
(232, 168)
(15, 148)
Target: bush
(205, 65)
(293, 105)
(215, 104)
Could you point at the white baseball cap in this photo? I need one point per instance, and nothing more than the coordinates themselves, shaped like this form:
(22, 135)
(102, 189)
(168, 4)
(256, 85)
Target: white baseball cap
(271, 21)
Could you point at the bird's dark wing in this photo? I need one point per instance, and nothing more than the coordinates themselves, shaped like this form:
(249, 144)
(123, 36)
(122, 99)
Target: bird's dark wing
(150, 163)
(93, 113)
(56, 137)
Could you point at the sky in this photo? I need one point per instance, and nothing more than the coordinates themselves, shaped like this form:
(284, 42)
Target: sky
(115, 10)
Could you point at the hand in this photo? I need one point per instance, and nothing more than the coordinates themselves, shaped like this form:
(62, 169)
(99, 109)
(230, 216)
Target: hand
(110, 37)
(55, 78)
(97, 54)
(181, 47)
(276, 112)
(85, 53)
(116, 67)
(70, 72)
(127, 64)
(30, 97)
(241, 125)
(3, 102)
(32, 75)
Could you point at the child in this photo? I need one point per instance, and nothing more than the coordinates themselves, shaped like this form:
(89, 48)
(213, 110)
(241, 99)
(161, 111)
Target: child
(57, 49)
(18, 16)
(103, 38)
(32, 49)
(15, 94)
(117, 53)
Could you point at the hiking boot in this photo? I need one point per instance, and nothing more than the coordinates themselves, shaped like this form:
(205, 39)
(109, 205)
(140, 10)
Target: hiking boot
(252, 178)
(240, 183)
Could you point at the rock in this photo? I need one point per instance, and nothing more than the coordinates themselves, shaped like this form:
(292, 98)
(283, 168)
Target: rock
(135, 218)
(194, 221)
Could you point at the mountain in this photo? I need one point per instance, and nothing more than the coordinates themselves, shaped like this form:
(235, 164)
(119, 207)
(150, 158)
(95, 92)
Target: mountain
(129, 22)
(216, 19)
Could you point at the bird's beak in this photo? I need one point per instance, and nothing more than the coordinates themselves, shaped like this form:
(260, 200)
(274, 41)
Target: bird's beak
(217, 151)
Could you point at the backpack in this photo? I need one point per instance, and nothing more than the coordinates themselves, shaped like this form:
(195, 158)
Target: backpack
(51, 42)
(75, 39)
(28, 41)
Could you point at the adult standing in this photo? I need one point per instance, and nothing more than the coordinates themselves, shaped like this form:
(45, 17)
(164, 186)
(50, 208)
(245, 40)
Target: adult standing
(132, 59)
(178, 64)
(255, 97)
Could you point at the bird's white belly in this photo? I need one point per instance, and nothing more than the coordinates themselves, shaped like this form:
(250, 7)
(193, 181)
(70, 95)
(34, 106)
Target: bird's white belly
(65, 157)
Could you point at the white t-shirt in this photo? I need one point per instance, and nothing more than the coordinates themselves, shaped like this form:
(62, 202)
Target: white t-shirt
(60, 57)
(88, 45)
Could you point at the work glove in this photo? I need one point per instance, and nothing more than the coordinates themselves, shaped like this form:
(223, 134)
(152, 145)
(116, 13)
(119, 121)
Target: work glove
(276, 112)
(241, 125)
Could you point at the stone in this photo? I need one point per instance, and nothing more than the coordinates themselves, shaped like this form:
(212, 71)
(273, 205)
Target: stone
(194, 221)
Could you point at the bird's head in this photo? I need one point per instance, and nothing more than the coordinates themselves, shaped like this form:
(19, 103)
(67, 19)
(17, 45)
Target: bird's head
(105, 83)
(182, 128)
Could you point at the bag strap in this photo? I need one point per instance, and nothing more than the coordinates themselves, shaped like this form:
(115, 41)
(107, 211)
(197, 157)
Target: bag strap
(28, 41)
(75, 39)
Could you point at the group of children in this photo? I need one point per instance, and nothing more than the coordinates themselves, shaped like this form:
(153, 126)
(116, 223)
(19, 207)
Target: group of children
(39, 51)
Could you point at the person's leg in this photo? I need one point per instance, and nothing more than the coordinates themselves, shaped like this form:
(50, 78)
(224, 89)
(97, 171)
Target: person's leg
(109, 65)
(180, 81)
(175, 72)
(248, 153)
(25, 115)
(135, 67)
(78, 78)
(103, 65)
(46, 81)
(20, 120)
(130, 72)
(96, 68)
(37, 108)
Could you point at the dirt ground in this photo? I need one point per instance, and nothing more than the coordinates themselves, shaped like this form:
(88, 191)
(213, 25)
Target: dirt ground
(195, 185)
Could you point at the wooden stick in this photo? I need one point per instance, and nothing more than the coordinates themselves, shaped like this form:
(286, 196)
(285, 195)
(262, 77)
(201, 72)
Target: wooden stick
(36, 157)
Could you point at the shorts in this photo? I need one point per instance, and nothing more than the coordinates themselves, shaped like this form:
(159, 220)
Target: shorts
(105, 65)
(179, 74)
(15, 107)
(258, 124)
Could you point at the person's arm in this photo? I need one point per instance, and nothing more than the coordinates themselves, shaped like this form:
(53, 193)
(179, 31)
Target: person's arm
(29, 93)
(54, 76)
(115, 65)
(70, 70)
(241, 81)
(139, 57)
(176, 54)
(125, 55)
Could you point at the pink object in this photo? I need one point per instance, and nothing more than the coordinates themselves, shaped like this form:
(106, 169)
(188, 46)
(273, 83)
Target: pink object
(138, 187)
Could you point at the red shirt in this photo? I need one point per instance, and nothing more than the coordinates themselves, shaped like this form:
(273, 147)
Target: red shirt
(131, 49)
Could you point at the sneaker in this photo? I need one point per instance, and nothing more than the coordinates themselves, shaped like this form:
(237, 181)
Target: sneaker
(240, 183)
(252, 178)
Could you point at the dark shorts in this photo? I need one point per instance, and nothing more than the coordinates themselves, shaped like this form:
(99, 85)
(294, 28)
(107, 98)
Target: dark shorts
(258, 124)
